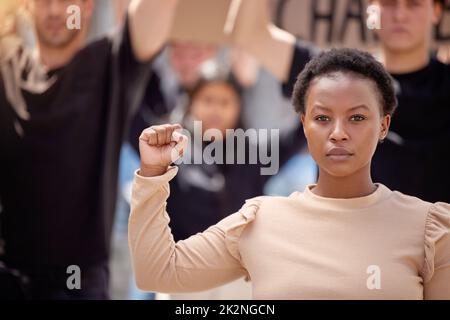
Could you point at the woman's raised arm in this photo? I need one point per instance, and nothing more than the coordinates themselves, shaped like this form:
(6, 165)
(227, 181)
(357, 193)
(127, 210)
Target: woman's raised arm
(201, 262)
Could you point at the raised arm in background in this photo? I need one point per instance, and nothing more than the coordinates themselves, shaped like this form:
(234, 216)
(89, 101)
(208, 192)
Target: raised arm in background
(150, 25)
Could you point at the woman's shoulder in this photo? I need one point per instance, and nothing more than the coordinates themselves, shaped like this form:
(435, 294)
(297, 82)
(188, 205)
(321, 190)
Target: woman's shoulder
(435, 226)
(409, 202)
(438, 218)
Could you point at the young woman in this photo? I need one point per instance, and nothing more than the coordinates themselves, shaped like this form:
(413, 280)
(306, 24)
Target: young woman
(412, 159)
(345, 237)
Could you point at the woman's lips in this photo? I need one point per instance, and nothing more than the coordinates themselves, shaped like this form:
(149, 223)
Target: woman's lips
(339, 154)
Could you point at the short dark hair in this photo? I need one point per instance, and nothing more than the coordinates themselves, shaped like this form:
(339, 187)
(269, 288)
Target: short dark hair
(351, 61)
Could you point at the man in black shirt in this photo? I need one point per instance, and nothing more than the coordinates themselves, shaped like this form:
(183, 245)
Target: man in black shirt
(63, 114)
(415, 157)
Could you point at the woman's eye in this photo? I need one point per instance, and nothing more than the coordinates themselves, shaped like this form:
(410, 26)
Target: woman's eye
(357, 117)
(321, 118)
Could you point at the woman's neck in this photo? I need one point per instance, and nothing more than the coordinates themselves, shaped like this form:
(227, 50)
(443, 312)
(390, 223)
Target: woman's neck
(357, 185)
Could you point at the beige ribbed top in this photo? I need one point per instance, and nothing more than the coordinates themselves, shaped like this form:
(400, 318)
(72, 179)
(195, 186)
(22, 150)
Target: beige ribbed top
(383, 246)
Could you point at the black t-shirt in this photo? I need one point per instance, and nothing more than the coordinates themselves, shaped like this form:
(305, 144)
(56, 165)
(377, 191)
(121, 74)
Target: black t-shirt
(415, 158)
(58, 180)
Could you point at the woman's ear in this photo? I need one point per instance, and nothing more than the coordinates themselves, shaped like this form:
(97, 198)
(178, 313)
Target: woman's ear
(385, 123)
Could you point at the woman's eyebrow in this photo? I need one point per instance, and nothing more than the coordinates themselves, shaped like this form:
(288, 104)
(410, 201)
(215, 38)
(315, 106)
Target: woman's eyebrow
(316, 106)
(362, 106)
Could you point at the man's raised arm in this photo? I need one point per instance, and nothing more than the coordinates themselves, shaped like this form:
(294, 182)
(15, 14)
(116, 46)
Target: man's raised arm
(255, 33)
(150, 25)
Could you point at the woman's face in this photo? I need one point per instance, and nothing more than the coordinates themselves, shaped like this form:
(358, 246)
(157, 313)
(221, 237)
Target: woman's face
(343, 123)
(217, 105)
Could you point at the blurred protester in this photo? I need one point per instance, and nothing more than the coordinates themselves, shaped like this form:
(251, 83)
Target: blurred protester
(64, 109)
(174, 72)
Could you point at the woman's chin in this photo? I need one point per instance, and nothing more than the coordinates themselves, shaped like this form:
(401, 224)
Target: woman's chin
(340, 170)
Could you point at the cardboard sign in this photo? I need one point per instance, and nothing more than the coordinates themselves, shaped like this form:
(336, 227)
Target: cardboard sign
(201, 21)
(337, 22)
(325, 23)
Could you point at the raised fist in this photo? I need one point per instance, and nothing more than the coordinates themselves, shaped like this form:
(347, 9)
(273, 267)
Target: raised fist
(159, 146)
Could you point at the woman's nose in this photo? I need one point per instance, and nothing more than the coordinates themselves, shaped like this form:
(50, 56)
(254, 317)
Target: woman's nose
(338, 132)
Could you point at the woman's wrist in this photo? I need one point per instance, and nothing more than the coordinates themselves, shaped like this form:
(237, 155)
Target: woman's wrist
(152, 171)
